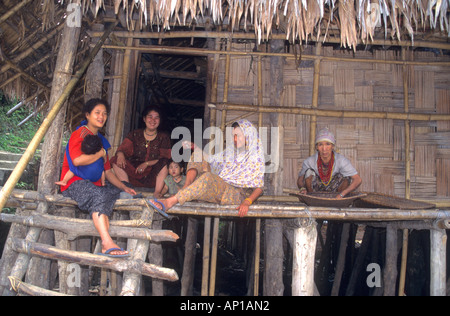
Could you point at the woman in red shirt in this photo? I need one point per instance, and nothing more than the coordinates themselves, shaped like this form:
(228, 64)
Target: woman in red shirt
(143, 156)
(92, 197)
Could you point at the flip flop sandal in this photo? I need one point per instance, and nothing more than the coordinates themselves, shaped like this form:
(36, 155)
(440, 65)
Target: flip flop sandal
(156, 208)
(108, 253)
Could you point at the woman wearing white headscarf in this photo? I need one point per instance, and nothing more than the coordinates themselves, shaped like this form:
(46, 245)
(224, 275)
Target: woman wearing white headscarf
(225, 177)
(328, 171)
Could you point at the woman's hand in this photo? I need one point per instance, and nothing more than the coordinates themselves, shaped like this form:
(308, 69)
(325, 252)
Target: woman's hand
(121, 161)
(188, 145)
(141, 168)
(243, 208)
(129, 190)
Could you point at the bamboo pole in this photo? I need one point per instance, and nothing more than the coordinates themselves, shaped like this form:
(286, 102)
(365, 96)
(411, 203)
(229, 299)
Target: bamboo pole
(280, 36)
(25, 75)
(407, 129)
(258, 220)
(225, 89)
(325, 213)
(15, 9)
(29, 152)
(335, 113)
(34, 47)
(315, 101)
(401, 286)
(205, 52)
(260, 84)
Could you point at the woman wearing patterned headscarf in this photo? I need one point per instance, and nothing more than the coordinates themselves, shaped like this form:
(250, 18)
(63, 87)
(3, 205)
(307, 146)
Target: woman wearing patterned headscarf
(226, 177)
(328, 171)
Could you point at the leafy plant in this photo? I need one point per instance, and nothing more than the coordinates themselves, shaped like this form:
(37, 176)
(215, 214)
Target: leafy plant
(12, 136)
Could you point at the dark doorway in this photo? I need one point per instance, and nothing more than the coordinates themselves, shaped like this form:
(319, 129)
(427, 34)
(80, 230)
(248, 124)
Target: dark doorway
(176, 83)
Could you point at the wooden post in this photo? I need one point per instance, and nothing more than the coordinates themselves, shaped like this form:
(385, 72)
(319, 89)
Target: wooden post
(9, 256)
(206, 252)
(215, 240)
(438, 266)
(273, 272)
(274, 254)
(390, 267)
(257, 256)
(95, 74)
(187, 279)
(341, 259)
(23, 259)
(305, 239)
(123, 97)
(358, 267)
(401, 285)
(155, 256)
(131, 280)
(62, 242)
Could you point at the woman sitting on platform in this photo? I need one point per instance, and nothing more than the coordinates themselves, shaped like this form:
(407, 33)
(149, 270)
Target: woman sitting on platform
(328, 171)
(90, 195)
(224, 178)
(142, 157)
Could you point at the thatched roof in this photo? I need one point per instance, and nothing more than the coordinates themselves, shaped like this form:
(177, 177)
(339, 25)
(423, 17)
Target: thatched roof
(29, 28)
(299, 20)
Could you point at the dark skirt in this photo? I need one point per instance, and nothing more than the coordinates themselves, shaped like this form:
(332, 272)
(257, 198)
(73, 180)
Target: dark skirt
(93, 199)
(146, 179)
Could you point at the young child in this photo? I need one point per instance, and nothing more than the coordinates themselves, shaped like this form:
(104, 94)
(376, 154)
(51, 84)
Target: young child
(90, 145)
(175, 180)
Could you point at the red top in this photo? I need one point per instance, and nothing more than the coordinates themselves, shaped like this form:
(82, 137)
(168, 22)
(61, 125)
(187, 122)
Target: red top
(75, 141)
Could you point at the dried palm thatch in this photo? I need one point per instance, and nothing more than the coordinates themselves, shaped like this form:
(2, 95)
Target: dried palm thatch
(356, 19)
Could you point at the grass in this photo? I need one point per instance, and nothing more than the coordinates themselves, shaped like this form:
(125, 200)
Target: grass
(14, 138)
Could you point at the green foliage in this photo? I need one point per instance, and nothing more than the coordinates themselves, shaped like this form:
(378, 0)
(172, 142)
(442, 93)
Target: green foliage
(12, 137)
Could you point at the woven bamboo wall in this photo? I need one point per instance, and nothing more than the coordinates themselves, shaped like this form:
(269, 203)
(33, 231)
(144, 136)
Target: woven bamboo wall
(376, 147)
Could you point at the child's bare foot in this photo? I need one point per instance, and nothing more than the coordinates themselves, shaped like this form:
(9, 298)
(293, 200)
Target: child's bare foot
(61, 183)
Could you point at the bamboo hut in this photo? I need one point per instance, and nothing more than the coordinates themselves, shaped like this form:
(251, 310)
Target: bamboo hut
(376, 73)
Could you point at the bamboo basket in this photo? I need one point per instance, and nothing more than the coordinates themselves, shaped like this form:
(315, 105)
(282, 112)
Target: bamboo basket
(387, 201)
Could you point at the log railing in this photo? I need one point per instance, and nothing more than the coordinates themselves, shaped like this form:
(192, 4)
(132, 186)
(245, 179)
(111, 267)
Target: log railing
(137, 231)
(303, 220)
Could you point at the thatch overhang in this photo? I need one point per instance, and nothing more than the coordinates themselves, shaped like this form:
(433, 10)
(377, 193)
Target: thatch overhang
(29, 32)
